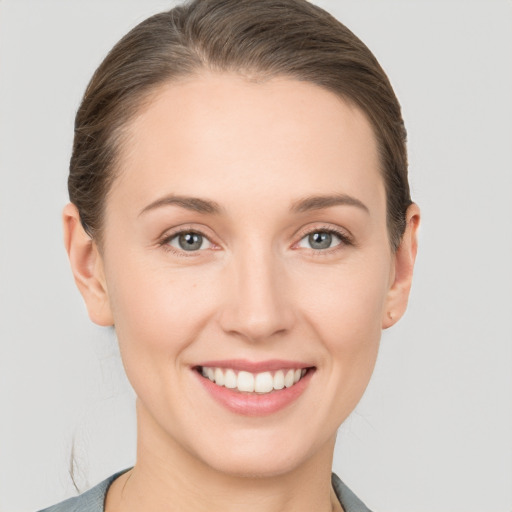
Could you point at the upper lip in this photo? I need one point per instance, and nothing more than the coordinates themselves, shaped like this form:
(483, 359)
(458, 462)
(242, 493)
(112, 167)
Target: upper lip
(255, 366)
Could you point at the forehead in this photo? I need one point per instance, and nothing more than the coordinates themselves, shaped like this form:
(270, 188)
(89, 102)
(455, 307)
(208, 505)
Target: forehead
(218, 133)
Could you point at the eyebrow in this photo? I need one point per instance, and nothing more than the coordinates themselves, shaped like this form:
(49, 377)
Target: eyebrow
(205, 206)
(194, 204)
(320, 202)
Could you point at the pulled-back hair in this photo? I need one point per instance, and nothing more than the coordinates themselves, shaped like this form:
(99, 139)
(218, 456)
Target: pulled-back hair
(258, 39)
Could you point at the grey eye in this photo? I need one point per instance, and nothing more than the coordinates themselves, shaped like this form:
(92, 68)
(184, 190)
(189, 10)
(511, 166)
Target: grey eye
(319, 240)
(190, 241)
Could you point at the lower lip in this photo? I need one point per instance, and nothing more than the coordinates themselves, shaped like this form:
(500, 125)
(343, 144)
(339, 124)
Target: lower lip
(254, 404)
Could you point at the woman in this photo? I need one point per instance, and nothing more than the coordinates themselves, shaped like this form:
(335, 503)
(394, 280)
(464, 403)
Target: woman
(240, 212)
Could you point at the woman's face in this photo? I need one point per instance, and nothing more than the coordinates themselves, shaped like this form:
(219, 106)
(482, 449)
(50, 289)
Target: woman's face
(246, 242)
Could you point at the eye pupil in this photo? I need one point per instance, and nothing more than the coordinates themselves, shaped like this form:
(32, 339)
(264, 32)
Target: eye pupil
(320, 240)
(190, 241)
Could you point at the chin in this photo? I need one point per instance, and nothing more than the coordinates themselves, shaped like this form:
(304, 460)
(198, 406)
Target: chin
(262, 456)
(257, 467)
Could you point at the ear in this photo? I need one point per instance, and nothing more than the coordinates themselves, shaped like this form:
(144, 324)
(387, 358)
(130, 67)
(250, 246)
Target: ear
(87, 267)
(401, 273)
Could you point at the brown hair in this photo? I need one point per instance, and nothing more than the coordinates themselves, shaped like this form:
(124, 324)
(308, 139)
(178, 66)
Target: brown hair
(259, 39)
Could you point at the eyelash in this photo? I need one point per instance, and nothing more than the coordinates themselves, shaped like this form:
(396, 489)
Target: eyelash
(167, 238)
(345, 240)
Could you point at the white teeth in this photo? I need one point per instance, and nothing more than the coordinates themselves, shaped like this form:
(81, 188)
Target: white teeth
(230, 379)
(263, 382)
(245, 381)
(279, 380)
(288, 378)
(219, 377)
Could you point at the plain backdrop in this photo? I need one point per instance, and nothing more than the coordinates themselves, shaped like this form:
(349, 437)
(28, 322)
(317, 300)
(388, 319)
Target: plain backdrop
(434, 430)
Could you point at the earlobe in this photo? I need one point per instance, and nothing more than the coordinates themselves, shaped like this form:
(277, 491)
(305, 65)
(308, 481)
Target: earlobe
(87, 267)
(404, 258)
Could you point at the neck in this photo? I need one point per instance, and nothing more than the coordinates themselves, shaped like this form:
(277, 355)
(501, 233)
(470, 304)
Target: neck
(167, 478)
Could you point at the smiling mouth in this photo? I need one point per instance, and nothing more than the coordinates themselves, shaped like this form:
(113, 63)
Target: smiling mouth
(258, 383)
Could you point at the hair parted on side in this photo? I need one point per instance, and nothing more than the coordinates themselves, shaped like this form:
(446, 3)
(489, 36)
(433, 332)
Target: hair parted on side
(257, 39)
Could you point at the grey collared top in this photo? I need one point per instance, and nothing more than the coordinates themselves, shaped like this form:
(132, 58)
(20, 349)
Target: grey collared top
(93, 500)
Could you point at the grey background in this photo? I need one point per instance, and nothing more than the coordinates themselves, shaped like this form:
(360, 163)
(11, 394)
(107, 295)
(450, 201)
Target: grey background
(434, 430)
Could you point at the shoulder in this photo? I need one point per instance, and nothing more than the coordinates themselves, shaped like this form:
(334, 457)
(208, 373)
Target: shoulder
(93, 500)
(90, 501)
(349, 501)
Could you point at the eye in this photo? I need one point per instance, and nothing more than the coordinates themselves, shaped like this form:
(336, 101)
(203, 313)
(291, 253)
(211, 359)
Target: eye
(321, 240)
(189, 241)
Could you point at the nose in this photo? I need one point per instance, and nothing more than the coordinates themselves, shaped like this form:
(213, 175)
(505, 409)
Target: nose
(258, 305)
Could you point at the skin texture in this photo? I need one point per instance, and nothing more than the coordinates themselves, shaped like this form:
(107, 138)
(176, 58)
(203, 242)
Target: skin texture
(256, 290)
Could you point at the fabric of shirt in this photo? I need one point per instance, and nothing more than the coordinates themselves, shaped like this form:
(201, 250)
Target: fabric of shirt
(93, 500)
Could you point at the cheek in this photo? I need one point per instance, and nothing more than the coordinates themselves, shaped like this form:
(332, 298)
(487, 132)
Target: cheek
(345, 308)
(157, 314)
(347, 301)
